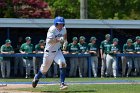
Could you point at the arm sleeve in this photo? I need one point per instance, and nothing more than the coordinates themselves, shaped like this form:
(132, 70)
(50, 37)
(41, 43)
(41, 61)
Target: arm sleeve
(124, 50)
(1, 49)
(51, 36)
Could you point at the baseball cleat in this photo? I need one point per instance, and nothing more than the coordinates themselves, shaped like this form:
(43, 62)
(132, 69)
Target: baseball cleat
(63, 86)
(34, 83)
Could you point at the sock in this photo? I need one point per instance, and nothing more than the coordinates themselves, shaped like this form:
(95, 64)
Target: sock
(62, 75)
(38, 75)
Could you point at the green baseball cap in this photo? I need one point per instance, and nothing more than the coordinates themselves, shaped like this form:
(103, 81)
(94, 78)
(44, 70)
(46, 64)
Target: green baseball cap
(7, 41)
(115, 40)
(92, 38)
(41, 41)
(129, 40)
(137, 37)
(82, 38)
(28, 38)
(74, 38)
(107, 36)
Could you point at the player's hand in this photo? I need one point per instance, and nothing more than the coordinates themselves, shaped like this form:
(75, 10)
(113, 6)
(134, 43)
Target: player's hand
(23, 52)
(86, 53)
(131, 52)
(114, 52)
(73, 53)
(138, 52)
(61, 39)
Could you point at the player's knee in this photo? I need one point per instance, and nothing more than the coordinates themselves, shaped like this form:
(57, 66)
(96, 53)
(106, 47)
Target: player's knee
(44, 70)
(62, 65)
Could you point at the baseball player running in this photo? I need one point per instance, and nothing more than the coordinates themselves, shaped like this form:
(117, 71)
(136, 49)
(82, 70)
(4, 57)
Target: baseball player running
(56, 34)
(129, 49)
(111, 58)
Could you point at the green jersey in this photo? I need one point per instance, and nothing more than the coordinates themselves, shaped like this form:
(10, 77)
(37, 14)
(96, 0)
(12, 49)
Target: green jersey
(92, 47)
(27, 48)
(4, 48)
(105, 46)
(73, 48)
(137, 47)
(127, 48)
(114, 48)
(39, 48)
(83, 47)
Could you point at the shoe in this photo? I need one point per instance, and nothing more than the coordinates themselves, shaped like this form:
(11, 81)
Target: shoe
(63, 86)
(34, 83)
(27, 76)
(81, 76)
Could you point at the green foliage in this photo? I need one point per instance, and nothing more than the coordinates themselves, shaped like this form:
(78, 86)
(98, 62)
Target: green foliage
(65, 8)
(97, 9)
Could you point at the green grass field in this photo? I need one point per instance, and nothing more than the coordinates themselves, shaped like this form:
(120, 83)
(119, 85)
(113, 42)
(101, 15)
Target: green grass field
(82, 88)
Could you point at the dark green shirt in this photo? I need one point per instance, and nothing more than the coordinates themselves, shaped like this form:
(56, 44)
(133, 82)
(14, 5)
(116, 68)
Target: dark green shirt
(137, 47)
(73, 48)
(105, 46)
(28, 48)
(83, 47)
(4, 48)
(127, 48)
(114, 48)
(38, 48)
(92, 47)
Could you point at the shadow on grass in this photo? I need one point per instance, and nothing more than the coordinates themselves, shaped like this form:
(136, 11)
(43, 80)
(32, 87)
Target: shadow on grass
(69, 91)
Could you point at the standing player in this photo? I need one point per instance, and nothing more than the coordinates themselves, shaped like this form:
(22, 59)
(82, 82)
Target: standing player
(111, 58)
(93, 50)
(137, 59)
(83, 60)
(128, 48)
(27, 48)
(5, 64)
(104, 47)
(37, 61)
(73, 48)
(56, 34)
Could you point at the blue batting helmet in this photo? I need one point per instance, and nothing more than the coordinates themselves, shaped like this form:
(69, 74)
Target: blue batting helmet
(59, 20)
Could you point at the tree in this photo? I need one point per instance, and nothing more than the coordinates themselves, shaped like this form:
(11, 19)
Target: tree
(6, 9)
(65, 8)
(31, 9)
(24, 9)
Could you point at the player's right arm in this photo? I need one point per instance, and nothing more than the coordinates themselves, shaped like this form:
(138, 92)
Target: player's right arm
(2, 50)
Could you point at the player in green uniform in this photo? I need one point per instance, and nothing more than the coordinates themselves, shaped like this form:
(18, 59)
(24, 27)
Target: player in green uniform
(129, 48)
(93, 50)
(83, 60)
(73, 48)
(111, 58)
(37, 61)
(137, 59)
(104, 47)
(27, 48)
(5, 64)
